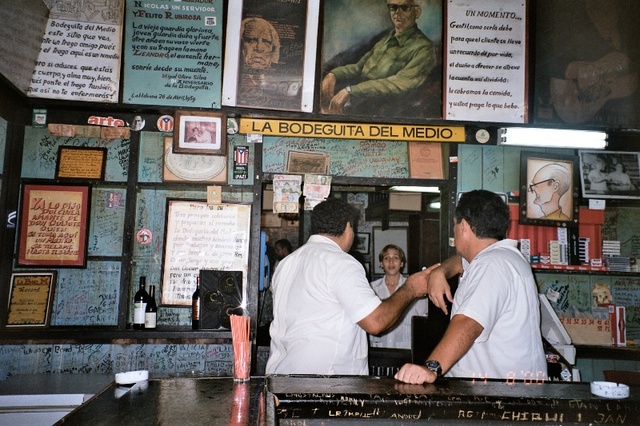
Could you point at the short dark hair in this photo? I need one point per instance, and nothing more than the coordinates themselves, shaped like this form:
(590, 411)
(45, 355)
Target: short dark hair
(331, 216)
(284, 243)
(486, 213)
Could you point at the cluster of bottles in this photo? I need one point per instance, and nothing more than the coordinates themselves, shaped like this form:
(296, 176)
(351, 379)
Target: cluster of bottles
(145, 310)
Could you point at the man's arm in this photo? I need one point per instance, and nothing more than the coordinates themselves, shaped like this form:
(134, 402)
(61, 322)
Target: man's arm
(438, 287)
(459, 337)
(391, 309)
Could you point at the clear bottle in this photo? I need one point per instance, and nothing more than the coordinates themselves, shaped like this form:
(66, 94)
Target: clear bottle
(151, 311)
(195, 306)
(139, 305)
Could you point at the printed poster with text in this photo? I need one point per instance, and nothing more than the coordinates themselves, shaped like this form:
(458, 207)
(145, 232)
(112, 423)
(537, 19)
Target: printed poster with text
(271, 49)
(485, 66)
(79, 57)
(172, 53)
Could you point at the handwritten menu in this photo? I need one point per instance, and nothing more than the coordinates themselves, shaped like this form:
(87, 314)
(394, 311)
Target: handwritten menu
(80, 54)
(173, 53)
(201, 236)
(485, 66)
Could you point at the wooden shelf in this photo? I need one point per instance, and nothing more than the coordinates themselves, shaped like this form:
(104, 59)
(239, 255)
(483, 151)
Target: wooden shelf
(631, 353)
(111, 335)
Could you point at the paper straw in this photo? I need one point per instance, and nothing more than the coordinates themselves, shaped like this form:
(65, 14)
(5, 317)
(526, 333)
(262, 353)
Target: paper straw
(240, 330)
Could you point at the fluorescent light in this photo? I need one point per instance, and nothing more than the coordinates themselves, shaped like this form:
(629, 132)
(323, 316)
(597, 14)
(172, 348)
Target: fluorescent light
(429, 189)
(552, 138)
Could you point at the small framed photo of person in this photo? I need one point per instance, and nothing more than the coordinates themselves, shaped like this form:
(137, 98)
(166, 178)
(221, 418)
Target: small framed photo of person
(610, 174)
(549, 189)
(200, 133)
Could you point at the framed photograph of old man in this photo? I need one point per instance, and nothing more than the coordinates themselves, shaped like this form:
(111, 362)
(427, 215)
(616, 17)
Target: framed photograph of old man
(549, 189)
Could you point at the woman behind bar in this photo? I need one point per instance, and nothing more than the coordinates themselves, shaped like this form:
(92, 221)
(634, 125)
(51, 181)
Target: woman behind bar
(392, 260)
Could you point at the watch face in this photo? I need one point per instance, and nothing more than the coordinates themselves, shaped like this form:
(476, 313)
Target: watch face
(434, 366)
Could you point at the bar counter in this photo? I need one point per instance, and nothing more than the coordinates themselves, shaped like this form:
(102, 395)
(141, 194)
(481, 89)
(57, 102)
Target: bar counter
(315, 400)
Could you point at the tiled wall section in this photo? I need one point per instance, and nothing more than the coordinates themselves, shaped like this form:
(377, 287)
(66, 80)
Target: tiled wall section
(161, 360)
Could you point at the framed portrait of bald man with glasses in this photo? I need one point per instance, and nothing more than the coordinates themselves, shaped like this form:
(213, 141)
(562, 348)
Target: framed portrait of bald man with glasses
(549, 189)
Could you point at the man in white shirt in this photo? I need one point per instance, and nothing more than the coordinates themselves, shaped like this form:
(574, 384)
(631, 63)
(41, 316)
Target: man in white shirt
(495, 324)
(323, 304)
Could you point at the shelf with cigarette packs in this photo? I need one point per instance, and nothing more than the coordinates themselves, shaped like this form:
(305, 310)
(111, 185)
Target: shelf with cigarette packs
(541, 244)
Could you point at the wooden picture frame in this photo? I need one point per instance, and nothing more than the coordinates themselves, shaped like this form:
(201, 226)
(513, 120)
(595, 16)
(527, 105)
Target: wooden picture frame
(30, 299)
(307, 162)
(397, 235)
(54, 225)
(200, 133)
(618, 174)
(549, 189)
(81, 162)
(362, 242)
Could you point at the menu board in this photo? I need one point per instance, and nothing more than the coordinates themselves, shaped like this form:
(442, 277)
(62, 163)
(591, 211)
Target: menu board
(202, 236)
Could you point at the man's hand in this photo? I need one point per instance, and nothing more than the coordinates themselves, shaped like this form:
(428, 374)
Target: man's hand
(327, 88)
(419, 281)
(438, 288)
(415, 374)
(336, 106)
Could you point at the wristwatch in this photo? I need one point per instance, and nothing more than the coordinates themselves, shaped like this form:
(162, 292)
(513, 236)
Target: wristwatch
(348, 89)
(434, 366)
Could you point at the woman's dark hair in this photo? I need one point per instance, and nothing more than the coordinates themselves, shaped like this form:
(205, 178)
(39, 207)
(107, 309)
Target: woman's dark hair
(486, 213)
(331, 217)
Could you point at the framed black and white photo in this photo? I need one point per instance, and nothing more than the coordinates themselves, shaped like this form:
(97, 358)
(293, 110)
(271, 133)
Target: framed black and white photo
(610, 174)
(548, 189)
(361, 244)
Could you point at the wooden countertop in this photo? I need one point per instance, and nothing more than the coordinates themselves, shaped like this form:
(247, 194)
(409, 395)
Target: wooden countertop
(313, 400)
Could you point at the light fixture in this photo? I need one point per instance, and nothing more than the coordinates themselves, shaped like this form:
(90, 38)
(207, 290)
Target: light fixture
(552, 138)
(429, 189)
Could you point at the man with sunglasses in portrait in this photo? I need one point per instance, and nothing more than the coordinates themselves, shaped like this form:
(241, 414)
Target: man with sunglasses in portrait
(395, 69)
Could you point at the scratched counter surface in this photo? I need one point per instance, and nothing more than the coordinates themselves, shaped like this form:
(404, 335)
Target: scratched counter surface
(357, 400)
(368, 400)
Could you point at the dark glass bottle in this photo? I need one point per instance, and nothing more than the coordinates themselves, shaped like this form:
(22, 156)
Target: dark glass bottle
(151, 311)
(195, 306)
(139, 305)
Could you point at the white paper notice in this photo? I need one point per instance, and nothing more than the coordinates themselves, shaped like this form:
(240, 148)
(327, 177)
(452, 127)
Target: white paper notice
(80, 58)
(485, 66)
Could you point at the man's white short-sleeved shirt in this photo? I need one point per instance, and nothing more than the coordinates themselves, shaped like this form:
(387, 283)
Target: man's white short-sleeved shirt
(497, 289)
(319, 295)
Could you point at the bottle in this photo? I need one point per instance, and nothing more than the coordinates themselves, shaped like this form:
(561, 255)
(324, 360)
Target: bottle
(195, 306)
(151, 311)
(139, 305)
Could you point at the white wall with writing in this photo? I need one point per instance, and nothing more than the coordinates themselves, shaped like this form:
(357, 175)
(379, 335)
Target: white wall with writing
(80, 55)
(485, 65)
